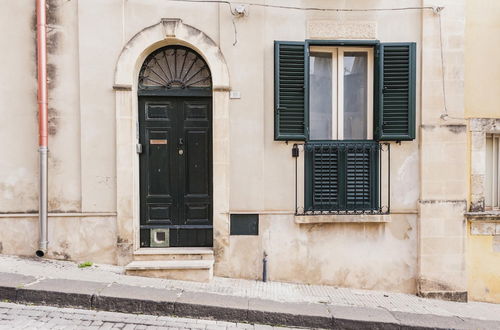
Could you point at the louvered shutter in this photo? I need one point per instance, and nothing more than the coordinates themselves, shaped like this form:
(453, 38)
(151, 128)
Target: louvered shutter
(341, 176)
(360, 171)
(395, 120)
(289, 91)
(324, 174)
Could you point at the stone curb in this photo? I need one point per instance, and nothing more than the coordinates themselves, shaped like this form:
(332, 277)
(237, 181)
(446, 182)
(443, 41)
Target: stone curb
(146, 300)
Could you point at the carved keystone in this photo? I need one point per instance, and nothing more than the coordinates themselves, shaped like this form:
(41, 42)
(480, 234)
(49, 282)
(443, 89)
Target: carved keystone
(170, 26)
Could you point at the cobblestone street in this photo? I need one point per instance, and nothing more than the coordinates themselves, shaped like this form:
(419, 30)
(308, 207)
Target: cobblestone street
(15, 316)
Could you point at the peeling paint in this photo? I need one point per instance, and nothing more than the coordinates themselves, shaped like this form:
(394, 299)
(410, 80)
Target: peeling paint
(53, 121)
(18, 187)
(443, 201)
(477, 206)
(51, 76)
(457, 129)
(407, 194)
(496, 243)
(53, 12)
(121, 240)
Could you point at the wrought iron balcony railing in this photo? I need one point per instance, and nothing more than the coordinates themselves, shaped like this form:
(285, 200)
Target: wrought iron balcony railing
(342, 177)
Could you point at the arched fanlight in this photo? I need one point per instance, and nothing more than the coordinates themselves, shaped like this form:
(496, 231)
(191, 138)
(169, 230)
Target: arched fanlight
(174, 67)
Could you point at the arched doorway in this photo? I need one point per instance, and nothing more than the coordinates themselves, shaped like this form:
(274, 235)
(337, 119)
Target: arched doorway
(175, 150)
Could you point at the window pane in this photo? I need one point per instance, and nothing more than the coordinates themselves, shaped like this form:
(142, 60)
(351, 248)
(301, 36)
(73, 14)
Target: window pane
(355, 95)
(489, 172)
(320, 97)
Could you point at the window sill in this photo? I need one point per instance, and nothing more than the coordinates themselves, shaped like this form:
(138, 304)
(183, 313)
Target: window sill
(493, 216)
(484, 223)
(342, 218)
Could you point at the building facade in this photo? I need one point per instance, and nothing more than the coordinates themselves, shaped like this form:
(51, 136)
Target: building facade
(481, 109)
(192, 139)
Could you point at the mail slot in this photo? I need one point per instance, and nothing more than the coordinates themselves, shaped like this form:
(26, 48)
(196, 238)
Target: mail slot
(157, 141)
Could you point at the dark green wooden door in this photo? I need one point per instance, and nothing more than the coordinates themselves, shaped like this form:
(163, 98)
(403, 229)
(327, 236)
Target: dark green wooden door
(176, 171)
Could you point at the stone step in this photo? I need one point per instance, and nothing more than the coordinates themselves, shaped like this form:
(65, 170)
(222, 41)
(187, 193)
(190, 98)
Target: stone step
(149, 254)
(186, 270)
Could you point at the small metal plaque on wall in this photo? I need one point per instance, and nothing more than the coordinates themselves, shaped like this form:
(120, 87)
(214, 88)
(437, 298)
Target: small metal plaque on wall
(244, 224)
(160, 238)
(157, 141)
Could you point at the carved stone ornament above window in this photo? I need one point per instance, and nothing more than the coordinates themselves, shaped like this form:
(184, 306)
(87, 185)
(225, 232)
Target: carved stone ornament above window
(325, 29)
(174, 67)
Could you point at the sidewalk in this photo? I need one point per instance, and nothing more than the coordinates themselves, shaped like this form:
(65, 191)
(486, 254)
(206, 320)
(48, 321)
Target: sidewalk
(103, 287)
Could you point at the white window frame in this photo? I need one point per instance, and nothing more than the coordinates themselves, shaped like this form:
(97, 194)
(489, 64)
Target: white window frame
(491, 182)
(337, 54)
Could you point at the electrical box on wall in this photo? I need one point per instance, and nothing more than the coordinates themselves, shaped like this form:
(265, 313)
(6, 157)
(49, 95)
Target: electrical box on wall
(244, 224)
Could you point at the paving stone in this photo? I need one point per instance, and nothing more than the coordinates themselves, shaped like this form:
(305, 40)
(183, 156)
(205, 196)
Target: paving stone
(227, 324)
(106, 326)
(173, 324)
(85, 323)
(206, 321)
(215, 327)
(262, 327)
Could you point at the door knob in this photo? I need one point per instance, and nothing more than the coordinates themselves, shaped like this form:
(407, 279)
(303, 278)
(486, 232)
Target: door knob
(180, 145)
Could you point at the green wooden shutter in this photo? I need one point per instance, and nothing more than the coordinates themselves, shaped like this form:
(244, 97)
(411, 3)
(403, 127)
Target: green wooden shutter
(289, 92)
(361, 169)
(395, 99)
(341, 176)
(323, 164)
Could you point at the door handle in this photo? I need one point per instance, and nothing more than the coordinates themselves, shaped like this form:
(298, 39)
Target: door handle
(180, 146)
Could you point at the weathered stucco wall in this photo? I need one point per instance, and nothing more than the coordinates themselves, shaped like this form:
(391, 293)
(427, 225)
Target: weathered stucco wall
(482, 83)
(86, 40)
(482, 96)
(483, 260)
(443, 150)
(18, 127)
(79, 238)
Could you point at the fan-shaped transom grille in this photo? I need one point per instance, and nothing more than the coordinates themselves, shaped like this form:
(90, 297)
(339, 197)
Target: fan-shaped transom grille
(174, 67)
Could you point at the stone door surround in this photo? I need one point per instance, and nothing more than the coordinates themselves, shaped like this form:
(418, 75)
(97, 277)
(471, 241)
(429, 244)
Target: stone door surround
(166, 32)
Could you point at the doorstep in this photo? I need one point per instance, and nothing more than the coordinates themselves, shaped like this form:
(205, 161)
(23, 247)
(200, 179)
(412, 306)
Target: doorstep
(186, 270)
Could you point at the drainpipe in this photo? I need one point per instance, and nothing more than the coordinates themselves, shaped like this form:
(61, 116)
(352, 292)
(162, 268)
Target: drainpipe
(42, 122)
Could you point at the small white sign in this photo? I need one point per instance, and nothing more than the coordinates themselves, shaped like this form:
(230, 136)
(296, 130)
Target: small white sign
(235, 95)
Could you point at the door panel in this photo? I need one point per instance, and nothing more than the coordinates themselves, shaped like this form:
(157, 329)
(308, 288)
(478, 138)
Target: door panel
(158, 163)
(176, 169)
(196, 163)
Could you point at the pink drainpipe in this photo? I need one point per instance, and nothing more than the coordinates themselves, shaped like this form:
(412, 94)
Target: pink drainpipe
(41, 36)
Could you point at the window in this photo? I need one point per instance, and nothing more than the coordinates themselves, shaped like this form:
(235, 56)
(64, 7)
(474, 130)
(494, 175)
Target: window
(492, 182)
(390, 98)
(341, 93)
(342, 98)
